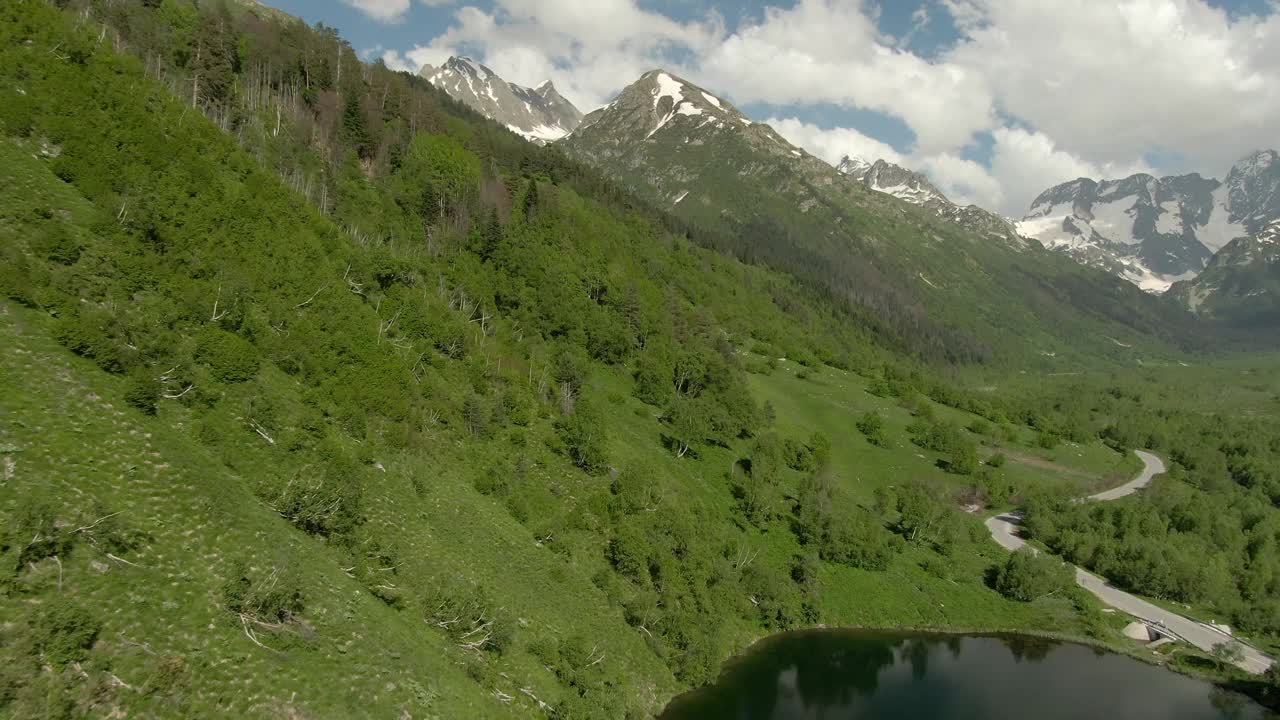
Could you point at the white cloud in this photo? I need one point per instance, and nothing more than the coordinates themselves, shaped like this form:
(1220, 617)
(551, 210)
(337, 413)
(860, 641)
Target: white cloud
(1065, 88)
(1025, 163)
(390, 11)
(387, 11)
(829, 51)
(835, 143)
(963, 181)
(1111, 80)
(396, 61)
(920, 20)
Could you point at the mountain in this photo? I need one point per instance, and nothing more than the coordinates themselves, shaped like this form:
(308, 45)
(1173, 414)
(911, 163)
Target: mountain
(913, 187)
(1156, 231)
(935, 280)
(540, 114)
(1240, 285)
(895, 180)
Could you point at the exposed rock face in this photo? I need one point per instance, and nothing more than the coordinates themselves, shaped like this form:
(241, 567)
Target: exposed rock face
(1157, 231)
(915, 188)
(1241, 284)
(540, 114)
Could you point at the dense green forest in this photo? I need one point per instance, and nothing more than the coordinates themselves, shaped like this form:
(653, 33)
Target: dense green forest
(306, 411)
(1207, 537)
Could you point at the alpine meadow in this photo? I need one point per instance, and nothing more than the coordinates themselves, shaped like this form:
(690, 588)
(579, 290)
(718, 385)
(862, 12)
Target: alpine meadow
(325, 395)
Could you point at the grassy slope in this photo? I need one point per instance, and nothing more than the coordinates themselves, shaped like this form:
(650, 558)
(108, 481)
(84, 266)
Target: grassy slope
(79, 449)
(82, 450)
(830, 401)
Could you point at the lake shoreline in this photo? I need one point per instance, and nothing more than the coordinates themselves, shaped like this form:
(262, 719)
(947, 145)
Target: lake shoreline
(810, 652)
(1249, 686)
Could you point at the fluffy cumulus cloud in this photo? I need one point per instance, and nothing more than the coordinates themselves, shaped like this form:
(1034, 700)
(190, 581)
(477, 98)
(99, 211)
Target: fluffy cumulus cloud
(833, 144)
(1026, 162)
(1059, 90)
(1112, 80)
(830, 51)
(390, 11)
(963, 181)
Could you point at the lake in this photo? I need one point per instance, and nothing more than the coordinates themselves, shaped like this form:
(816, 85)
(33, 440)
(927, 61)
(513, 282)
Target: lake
(857, 674)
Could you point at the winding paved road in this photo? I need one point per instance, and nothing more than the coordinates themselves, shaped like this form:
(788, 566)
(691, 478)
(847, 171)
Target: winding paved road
(1004, 529)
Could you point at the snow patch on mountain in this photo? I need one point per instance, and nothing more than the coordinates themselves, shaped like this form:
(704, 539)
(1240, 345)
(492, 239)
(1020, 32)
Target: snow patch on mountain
(1220, 229)
(1156, 231)
(539, 114)
(913, 187)
(1115, 222)
(668, 87)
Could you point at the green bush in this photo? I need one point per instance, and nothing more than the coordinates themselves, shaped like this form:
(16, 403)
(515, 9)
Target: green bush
(963, 459)
(1047, 440)
(228, 356)
(584, 438)
(326, 502)
(980, 427)
(64, 632)
(143, 391)
(871, 425)
(57, 243)
(269, 596)
(1027, 575)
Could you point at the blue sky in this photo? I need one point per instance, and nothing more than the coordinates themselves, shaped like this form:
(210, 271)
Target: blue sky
(995, 100)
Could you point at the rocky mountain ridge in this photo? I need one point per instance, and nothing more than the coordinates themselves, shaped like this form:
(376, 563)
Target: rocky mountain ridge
(540, 114)
(1157, 231)
(913, 187)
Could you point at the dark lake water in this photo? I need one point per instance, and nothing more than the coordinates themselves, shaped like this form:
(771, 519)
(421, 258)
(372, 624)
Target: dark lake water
(841, 674)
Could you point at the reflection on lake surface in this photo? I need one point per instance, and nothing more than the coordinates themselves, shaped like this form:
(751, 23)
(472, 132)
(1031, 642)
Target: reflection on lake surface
(842, 674)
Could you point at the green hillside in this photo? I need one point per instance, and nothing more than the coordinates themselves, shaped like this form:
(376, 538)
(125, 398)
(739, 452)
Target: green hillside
(321, 396)
(1238, 287)
(927, 285)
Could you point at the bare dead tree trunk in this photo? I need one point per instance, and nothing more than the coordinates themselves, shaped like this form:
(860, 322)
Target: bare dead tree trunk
(195, 76)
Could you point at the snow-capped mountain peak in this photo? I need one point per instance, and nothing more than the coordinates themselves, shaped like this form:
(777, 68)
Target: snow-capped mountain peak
(853, 166)
(1156, 231)
(540, 114)
(660, 100)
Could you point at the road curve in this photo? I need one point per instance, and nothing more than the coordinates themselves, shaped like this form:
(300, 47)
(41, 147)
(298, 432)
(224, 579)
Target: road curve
(1004, 530)
(1151, 467)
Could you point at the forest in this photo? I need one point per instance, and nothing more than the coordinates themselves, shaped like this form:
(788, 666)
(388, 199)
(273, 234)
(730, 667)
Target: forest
(395, 422)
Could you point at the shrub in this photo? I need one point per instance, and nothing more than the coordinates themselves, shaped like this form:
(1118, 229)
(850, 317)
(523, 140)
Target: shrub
(963, 459)
(583, 435)
(495, 481)
(325, 504)
(64, 632)
(797, 456)
(871, 425)
(1047, 440)
(57, 243)
(1027, 575)
(277, 597)
(84, 333)
(143, 392)
(228, 356)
